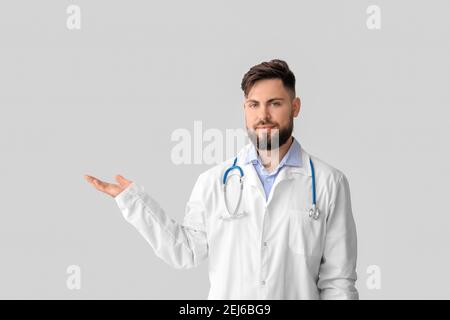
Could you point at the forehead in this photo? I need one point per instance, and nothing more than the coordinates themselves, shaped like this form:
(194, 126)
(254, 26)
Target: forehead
(266, 89)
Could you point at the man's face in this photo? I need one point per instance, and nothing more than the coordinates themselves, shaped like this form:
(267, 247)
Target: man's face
(269, 114)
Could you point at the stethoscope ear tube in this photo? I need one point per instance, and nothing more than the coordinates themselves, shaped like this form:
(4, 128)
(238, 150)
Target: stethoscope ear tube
(241, 188)
(233, 167)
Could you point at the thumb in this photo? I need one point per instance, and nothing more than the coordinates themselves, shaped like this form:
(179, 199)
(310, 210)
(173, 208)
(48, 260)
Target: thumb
(122, 181)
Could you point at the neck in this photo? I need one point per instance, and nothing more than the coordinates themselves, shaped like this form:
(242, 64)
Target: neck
(271, 158)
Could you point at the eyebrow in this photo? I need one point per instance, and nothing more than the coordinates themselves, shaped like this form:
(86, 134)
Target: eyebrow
(270, 100)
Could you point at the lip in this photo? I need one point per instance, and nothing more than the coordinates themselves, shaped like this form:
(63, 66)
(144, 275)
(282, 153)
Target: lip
(265, 127)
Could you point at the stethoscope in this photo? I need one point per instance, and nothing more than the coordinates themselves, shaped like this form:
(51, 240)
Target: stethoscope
(313, 211)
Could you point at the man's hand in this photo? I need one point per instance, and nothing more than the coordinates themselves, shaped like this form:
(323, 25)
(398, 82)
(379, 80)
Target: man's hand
(109, 188)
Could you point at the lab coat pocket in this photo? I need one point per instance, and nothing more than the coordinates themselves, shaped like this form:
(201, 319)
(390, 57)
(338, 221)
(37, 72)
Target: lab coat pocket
(306, 235)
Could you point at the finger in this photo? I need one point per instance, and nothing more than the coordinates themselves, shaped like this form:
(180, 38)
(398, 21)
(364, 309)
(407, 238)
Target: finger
(122, 181)
(89, 178)
(100, 185)
(92, 179)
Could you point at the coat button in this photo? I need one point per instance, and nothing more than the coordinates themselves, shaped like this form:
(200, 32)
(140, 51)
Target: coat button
(263, 282)
(265, 243)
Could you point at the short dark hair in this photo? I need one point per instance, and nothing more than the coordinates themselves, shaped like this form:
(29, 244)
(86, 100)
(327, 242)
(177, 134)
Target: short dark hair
(273, 69)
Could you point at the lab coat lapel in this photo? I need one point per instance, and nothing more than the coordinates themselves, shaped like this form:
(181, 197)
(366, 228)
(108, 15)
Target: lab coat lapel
(252, 179)
(291, 172)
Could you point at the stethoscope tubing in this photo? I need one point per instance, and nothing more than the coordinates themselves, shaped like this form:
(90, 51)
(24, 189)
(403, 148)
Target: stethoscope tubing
(314, 212)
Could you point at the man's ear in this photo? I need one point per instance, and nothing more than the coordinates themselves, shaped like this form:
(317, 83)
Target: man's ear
(296, 106)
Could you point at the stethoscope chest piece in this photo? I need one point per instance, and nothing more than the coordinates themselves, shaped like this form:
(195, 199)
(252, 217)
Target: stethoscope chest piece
(314, 212)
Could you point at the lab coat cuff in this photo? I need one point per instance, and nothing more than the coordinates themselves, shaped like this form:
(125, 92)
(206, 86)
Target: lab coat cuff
(127, 195)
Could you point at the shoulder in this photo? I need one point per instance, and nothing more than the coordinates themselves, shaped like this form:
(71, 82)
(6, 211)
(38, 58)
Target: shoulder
(325, 169)
(327, 175)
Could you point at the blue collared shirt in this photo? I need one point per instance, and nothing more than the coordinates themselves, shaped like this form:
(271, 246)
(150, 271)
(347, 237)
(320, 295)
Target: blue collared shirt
(291, 158)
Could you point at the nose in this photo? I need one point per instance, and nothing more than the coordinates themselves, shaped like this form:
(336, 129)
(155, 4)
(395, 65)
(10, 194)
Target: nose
(264, 114)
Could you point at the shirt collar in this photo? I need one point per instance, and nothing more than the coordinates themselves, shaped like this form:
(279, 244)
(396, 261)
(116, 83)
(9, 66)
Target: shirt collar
(291, 158)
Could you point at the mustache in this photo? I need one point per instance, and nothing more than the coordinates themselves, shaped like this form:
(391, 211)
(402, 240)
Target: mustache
(265, 123)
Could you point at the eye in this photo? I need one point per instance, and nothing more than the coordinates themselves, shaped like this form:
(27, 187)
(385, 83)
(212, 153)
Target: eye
(276, 103)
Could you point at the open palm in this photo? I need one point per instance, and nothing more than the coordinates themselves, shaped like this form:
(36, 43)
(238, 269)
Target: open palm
(109, 188)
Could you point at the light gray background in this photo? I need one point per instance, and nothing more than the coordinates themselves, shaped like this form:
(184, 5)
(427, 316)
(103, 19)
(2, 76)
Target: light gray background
(105, 100)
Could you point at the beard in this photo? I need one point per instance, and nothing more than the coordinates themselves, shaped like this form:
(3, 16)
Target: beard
(270, 139)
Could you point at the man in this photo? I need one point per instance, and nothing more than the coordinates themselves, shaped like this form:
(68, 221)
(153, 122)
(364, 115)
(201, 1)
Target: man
(275, 249)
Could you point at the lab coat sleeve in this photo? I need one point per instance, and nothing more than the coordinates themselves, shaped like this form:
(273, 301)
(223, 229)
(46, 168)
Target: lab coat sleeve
(181, 246)
(337, 274)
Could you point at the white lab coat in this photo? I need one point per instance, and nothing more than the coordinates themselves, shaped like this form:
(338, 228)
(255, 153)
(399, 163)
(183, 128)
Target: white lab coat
(276, 251)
